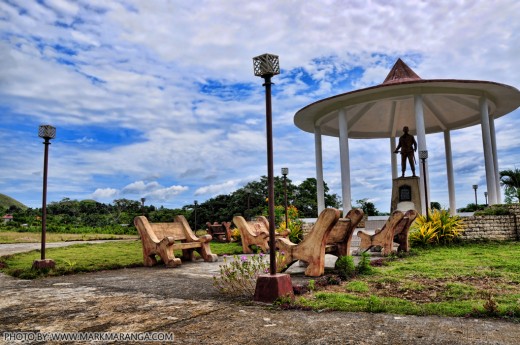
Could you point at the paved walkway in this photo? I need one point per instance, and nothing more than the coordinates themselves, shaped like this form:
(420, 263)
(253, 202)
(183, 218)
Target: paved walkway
(183, 302)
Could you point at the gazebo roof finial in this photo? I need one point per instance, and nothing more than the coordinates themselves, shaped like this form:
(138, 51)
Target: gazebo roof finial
(400, 73)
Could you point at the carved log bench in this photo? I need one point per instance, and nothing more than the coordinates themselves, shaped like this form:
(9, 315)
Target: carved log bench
(220, 232)
(396, 229)
(163, 238)
(312, 249)
(253, 233)
(402, 231)
(340, 237)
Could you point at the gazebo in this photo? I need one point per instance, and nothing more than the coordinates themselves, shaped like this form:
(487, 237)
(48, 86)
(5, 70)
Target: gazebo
(425, 106)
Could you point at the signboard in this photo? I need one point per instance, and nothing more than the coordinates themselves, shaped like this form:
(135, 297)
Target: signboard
(405, 193)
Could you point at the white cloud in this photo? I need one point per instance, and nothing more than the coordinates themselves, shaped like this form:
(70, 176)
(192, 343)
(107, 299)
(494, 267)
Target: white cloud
(105, 193)
(216, 189)
(184, 89)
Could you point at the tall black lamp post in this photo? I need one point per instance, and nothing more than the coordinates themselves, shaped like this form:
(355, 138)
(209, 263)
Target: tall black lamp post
(195, 203)
(285, 172)
(47, 132)
(423, 155)
(475, 187)
(485, 196)
(142, 204)
(248, 192)
(270, 287)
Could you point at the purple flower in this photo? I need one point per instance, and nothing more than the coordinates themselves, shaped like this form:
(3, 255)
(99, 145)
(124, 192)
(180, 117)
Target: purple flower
(262, 254)
(243, 258)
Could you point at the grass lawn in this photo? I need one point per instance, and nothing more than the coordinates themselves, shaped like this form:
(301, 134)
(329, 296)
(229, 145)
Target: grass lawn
(90, 257)
(32, 237)
(466, 280)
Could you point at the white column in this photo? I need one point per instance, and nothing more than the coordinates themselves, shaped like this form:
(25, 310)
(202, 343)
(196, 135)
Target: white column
(449, 172)
(320, 191)
(345, 163)
(421, 146)
(394, 158)
(495, 158)
(488, 152)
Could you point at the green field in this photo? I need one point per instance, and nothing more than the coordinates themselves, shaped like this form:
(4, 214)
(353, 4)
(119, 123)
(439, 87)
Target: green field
(479, 280)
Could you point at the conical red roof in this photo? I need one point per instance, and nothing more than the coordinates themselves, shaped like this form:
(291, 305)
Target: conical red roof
(400, 73)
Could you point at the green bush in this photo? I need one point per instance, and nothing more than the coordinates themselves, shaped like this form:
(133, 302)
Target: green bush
(439, 228)
(364, 266)
(494, 210)
(345, 267)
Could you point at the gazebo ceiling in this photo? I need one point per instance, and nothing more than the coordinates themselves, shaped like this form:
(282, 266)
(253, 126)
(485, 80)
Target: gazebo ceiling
(382, 111)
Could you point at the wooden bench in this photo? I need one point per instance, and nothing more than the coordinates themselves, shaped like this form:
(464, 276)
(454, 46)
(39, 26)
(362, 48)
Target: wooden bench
(219, 232)
(402, 230)
(312, 249)
(253, 233)
(163, 238)
(340, 237)
(396, 228)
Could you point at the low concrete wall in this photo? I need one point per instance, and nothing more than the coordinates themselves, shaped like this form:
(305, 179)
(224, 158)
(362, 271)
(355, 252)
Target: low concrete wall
(498, 228)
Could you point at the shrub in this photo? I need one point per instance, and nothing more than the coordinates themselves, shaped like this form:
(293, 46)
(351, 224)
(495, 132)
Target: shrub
(345, 267)
(439, 228)
(494, 210)
(364, 266)
(238, 277)
(235, 235)
(293, 230)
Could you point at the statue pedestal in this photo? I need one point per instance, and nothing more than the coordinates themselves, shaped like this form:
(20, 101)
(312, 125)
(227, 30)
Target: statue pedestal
(406, 189)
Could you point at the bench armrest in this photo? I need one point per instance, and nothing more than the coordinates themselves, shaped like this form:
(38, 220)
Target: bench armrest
(205, 238)
(168, 241)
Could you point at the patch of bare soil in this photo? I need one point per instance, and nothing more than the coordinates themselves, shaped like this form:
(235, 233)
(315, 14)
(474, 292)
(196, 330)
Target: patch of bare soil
(425, 290)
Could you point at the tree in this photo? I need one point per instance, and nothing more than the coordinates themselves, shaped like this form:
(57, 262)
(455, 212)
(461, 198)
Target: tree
(369, 209)
(306, 198)
(510, 179)
(434, 205)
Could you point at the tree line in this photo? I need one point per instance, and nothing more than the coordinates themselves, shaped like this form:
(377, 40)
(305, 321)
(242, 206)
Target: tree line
(70, 215)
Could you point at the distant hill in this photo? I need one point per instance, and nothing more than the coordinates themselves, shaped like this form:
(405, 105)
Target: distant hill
(7, 201)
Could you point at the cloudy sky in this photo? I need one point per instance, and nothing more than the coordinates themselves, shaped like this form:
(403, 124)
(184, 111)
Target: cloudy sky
(158, 99)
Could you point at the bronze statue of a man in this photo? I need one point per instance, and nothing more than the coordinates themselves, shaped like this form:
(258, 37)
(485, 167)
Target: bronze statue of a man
(408, 146)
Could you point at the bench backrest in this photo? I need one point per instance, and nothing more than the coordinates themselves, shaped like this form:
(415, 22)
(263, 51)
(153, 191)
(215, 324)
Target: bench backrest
(174, 230)
(406, 222)
(261, 224)
(179, 229)
(345, 226)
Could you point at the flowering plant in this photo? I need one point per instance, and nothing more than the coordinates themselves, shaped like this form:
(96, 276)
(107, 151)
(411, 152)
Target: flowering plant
(238, 276)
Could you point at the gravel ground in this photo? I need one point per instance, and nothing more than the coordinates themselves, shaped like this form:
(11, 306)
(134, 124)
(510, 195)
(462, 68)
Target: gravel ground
(183, 302)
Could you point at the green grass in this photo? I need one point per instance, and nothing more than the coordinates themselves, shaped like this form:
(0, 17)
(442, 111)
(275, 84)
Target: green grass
(357, 286)
(479, 280)
(476, 260)
(90, 257)
(33, 237)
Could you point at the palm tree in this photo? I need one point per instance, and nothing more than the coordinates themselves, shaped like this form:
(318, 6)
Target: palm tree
(511, 180)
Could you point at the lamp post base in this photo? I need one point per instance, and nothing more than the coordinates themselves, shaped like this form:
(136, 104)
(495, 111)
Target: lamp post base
(269, 287)
(43, 264)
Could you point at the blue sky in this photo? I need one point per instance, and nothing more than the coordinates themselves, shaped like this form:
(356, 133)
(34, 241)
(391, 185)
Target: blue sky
(158, 99)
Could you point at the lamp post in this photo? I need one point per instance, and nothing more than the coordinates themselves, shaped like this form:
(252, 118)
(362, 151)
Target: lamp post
(195, 203)
(142, 204)
(485, 196)
(47, 132)
(475, 187)
(248, 192)
(285, 172)
(270, 287)
(423, 155)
